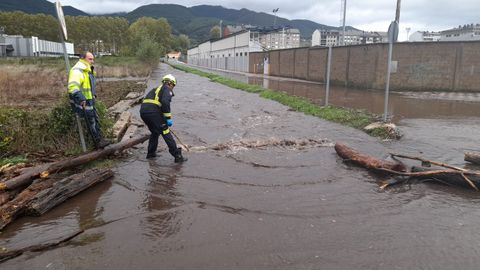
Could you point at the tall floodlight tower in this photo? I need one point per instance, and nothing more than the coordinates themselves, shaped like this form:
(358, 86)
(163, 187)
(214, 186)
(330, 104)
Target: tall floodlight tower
(275, 16)
(408, 31)
(344, 11)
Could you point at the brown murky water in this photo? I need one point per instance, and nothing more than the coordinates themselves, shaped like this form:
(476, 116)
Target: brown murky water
(264, 189)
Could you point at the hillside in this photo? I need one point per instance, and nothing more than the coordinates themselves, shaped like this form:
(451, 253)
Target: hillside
(194, 22)
(197, 21)
(37, 6)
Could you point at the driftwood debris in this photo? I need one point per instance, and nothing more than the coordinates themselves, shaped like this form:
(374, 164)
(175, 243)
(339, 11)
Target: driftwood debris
(473, 157)
(43, 195)
(66, 188)
(10, 254)
(121, 125)
(26, 177)
(366, 161)
(451, 175)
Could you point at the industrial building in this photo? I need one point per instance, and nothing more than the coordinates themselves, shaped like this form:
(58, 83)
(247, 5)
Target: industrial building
(424, 36)
(231, 52)
(19, 46)
(325, 37)
(461, 33)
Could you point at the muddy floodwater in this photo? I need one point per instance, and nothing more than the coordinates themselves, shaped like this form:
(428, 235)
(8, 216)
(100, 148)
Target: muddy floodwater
(264, 189)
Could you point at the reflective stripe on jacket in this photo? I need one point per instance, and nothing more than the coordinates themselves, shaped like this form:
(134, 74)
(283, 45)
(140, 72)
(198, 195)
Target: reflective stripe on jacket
(155, 99)
(158, 100)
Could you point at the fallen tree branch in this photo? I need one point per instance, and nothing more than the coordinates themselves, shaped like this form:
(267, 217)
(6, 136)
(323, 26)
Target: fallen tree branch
(470, 182)
(27, 177)
(452, 175)
(17, 252)
(429, 162)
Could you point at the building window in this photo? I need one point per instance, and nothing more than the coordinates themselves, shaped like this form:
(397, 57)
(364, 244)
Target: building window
(240, 54)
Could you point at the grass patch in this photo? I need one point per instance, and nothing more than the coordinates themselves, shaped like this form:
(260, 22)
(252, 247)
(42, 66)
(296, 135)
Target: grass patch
(49, 132)
(57, 63)
(353, 118)
(349, 117)
(12, 160)
(120, 67)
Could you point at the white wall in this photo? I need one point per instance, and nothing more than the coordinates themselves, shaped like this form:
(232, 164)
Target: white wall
(316, 38)
(230, 53)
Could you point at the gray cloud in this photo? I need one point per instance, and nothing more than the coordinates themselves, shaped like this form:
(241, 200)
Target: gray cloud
(370, 15)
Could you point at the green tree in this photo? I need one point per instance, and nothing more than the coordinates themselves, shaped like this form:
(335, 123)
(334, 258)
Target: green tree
(149, 51)
(181, 43)
(157, 30)
(215, 32)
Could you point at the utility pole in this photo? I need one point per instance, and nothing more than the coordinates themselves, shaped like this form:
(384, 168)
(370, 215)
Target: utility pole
(344, 5)
(392, 37)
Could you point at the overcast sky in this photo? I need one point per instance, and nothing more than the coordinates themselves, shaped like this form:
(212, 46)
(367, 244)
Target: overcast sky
(370, 15)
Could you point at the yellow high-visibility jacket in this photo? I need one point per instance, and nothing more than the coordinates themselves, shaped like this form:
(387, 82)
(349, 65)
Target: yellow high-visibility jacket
(79, 85)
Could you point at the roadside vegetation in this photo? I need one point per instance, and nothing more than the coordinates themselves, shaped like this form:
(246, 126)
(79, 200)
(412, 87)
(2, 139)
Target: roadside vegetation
(145, 38)
(36, 121)
(349, 117)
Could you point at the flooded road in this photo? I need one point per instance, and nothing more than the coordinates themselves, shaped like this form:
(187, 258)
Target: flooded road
(263, 189)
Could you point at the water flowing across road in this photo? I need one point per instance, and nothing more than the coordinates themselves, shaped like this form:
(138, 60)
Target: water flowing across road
(264, 189)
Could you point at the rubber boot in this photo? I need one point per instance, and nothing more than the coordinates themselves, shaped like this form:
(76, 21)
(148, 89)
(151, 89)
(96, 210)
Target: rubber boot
(178, 156)
(102, 143)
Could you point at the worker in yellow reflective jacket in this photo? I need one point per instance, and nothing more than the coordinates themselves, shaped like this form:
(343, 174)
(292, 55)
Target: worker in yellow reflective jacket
(155, 112)
(80, 82)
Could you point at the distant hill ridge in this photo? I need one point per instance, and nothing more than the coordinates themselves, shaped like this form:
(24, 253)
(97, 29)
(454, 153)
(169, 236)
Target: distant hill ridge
(37, 6)
(194, 22)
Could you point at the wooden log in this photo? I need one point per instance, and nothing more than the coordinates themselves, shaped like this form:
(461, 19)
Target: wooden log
(27, 177)
(10, 254)
(121, 106)
(121, 125)
(453, 175)
(134, 95)
(6, 196)
(64, 189)
(473, 157)
(366, 161)
(130, 132)
(42, 195)
(16, 207)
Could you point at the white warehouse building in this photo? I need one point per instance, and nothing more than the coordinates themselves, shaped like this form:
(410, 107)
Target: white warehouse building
(19, 46)
(230, 53)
